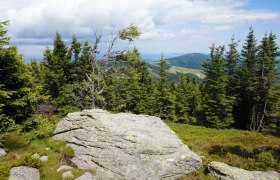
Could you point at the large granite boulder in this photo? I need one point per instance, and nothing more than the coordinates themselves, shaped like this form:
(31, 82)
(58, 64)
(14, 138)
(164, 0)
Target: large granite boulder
(223, 171)
(125, 146)
(24, 173)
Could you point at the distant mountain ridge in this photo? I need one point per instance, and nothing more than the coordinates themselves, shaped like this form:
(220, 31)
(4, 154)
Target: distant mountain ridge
(191, 60)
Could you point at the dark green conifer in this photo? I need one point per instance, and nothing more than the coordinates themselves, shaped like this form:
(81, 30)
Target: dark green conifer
(216, 104)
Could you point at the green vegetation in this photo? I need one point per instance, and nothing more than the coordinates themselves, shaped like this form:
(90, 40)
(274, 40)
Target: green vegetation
(244, 149)
(240, 90)
(216, 102)
(21, 147)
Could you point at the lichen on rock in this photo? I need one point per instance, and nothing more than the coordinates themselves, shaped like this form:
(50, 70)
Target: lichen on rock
(125, 146)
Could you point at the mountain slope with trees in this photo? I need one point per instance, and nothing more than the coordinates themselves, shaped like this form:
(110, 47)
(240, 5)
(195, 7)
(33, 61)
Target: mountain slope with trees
(191, 60)
(240, 88)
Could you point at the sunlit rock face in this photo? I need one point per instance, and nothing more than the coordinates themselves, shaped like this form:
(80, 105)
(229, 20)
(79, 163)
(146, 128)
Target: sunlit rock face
(126, 146)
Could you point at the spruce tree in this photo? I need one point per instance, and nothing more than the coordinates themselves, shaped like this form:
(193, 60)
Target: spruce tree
(266, 82)
(141, 91)
(274, 94)
(182, 100)
(57, 66)
(19, 95)
(216, 104)
(166, 98)
(232, 58)
(248, 79)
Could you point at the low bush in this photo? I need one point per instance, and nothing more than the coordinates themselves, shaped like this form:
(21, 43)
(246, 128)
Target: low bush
(265, 161)
(38, 127)
(14, 141)
(29, 161)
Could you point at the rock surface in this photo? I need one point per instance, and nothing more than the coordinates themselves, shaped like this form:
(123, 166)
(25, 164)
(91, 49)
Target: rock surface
(36, 156)
(87, 176)
(223, 171)
(67, 174)
(63, 168)
(44, 158)
(2, 152)
(125, 146)
(24, 173)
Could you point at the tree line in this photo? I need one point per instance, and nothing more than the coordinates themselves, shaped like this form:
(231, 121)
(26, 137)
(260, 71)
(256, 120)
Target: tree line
(241, 89)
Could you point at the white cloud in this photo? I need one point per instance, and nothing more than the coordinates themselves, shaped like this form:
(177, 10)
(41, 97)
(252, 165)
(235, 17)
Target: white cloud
(223, 27)
(36, 21)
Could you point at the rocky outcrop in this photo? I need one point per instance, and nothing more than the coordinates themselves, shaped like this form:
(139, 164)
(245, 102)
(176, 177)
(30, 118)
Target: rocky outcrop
(2, 152)
(223, 171)
(125, 146)
(24, 173)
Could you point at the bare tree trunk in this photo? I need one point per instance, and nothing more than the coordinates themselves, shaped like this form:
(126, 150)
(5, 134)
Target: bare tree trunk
(262, 116)
(253, 119)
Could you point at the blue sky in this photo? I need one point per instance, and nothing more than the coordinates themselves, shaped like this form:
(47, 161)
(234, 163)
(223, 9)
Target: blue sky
(177, 26)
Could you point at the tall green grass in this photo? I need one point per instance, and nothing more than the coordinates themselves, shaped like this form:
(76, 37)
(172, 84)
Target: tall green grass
(35, 138)
(243, 149)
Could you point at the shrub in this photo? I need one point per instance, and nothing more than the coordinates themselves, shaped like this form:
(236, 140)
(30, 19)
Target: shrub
(38, 127)
(29, 161)
(7, 124)
(14, 141)
(265, 160)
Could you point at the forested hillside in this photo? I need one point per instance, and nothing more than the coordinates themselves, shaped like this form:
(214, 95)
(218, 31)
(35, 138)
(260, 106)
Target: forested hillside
(191, 60)
(240, 88)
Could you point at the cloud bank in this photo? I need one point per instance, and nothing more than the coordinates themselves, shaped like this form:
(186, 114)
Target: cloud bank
(34, 22)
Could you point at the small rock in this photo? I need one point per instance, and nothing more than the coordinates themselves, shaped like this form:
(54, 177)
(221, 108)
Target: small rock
(47, 149)
(44, 158)
(87, 176)
(2, 152)
(24, 173)
(36, 156)
(223, 171)
(67, 174)
(64, 167)
(202, 157)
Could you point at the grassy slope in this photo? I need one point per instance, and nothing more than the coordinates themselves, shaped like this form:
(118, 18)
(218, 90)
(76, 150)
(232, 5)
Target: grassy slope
(184, 70)
(173, 73)
(238, 148)
(22, 146)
